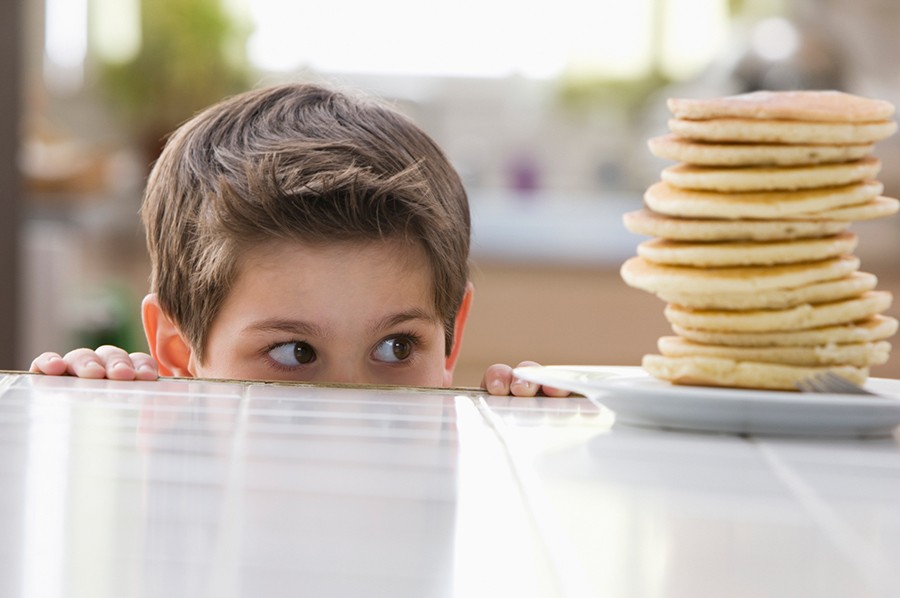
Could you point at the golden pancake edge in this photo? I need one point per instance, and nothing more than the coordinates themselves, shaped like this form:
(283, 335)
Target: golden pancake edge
(653, 224)
(651, 277)
(664, 198)
(680, 149)
(746, 253)
(871, 329)
(719, 371)
(798, 317)
(860, 355)
(808, 105)
(771, 178)
(824, 291)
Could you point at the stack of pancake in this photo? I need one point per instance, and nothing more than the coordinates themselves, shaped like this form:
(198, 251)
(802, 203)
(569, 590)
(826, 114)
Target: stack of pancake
(752, 250)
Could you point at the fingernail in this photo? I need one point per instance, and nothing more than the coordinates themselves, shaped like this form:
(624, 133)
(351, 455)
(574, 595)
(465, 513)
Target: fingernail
(496, 385)
(522, 384)
(120, 366)
(94, 365)
(145, 368)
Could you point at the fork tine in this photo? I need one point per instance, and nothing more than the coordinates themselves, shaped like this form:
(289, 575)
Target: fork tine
(837, 383)
(830, 382)
(811, 384)
(807, 385)
(821, 384)
(845, 385)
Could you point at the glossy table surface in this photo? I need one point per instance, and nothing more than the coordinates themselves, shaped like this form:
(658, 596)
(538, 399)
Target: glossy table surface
(195, 488)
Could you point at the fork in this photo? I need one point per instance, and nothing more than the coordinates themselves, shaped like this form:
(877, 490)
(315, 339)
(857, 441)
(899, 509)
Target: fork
(829, 382)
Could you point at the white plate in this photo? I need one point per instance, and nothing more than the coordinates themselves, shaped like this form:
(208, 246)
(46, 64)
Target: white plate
(639, 399)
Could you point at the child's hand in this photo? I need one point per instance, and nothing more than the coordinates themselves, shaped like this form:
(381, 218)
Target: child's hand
(104, 362)
(499, 380)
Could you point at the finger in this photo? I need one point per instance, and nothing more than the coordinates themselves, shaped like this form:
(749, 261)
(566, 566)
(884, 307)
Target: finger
(144, 366)
(497, 379)
(117, 362)
(49, 363)
(523, 388)
(551, 391)
(84, 363)
(531, 389)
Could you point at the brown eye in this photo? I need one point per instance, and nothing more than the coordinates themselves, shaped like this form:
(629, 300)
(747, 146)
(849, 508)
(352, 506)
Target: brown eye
(293, 354)
(394, 349)
(303, 353)
(402, 348)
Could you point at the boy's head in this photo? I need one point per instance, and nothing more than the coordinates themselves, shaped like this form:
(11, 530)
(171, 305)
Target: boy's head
(296, 163)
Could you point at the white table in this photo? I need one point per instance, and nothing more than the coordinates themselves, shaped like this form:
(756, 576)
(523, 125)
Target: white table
(194, 488)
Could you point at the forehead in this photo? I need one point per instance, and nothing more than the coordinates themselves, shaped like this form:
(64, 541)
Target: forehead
(295, 256)
(384, 269)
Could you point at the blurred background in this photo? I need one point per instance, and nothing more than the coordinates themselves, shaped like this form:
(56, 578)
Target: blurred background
(544, 107)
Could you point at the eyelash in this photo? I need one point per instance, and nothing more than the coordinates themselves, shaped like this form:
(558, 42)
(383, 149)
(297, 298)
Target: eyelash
(412, 337)
(274, 364)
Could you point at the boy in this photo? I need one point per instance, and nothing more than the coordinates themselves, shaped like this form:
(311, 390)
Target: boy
(299, 233)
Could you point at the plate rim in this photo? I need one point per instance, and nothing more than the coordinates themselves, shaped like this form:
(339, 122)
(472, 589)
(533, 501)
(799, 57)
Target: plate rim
(615, 380)
(730, 402)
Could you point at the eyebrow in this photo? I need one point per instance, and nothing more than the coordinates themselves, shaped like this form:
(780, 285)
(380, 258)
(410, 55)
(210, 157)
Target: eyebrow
(403, 317)
(302, 328)
(297, 327)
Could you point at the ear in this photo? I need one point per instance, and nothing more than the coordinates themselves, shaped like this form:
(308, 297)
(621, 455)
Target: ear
(172, 353)
(459, 325)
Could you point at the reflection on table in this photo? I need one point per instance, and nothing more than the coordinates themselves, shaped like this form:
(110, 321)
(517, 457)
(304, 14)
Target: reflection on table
(199, 488)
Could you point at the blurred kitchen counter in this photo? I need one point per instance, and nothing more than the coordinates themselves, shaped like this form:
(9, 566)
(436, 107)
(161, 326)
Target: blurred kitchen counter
(552, 228)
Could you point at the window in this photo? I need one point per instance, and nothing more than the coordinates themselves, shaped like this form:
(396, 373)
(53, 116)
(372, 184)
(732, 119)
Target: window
(488, 38)
(469, 38)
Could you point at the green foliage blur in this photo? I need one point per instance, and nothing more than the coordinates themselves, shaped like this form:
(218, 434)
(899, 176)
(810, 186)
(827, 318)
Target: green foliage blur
(191, 55)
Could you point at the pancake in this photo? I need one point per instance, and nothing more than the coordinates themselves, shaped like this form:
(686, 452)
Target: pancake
(649, 223)
(649, 276)
(673, 201)
(746, 253)
(750, 248)
(719, 371)
(799, 317)
(879, 207)
(871, 329)
(851, 285)
(747, 130)
(771, 178)
(855, 354)
(679, 149)
(813, 105)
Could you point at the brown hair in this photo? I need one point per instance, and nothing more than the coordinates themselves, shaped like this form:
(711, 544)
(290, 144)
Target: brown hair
(296, 162)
